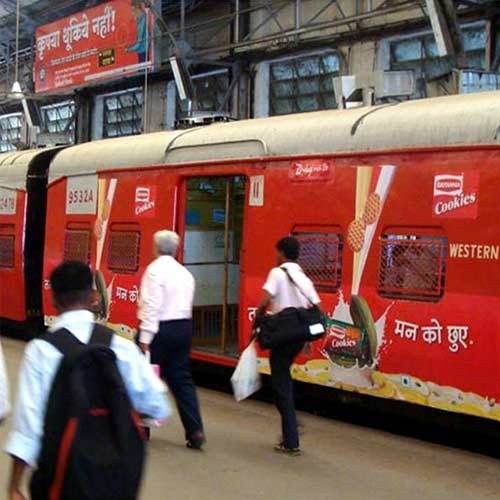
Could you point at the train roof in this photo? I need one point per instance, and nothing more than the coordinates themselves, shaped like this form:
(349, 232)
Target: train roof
(15, 166)
(454, 120)
(443, 121)
(106, 154)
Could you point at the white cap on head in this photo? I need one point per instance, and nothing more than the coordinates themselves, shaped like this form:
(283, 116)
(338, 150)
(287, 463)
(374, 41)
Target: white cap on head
(166, 242)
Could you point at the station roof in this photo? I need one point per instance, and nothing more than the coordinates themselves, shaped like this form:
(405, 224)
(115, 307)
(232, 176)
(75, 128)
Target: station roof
(34, 13)
(453, 120)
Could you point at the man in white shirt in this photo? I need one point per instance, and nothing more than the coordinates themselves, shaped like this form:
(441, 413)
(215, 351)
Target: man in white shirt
(165, 312)
(71, 284)
(280, 293)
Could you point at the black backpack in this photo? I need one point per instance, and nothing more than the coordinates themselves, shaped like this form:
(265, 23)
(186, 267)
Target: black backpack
(93, 443)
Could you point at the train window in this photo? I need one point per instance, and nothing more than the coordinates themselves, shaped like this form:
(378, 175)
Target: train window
(123, 254)
(412, 267)
(321, 257)
(77, 244)
(7, 248)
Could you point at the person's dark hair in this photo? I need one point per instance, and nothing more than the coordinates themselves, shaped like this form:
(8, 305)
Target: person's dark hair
(71, 283)
(289, 247)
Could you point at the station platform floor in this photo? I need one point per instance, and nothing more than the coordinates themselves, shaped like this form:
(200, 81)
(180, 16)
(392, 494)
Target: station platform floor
(339, 460)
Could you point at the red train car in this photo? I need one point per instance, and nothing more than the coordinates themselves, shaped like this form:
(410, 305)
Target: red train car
(396, 210)
(23, 179)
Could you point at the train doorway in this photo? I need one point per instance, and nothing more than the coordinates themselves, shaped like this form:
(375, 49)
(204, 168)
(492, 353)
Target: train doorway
(212, 242)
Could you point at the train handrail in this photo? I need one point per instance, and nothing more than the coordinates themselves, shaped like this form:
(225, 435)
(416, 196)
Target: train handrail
(261, 142)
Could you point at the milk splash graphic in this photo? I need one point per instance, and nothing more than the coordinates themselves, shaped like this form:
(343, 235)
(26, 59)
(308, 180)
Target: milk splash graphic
(356, 375)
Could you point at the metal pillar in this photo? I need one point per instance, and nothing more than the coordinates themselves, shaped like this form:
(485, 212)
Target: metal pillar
(183, 19)
(236, 21)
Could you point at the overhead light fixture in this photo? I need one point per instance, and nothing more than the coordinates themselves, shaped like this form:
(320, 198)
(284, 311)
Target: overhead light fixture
(16, 91)
(179, 83)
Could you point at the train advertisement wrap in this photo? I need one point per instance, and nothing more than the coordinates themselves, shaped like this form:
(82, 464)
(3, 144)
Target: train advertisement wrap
(110, 40)
(403, 323)
(414, 346)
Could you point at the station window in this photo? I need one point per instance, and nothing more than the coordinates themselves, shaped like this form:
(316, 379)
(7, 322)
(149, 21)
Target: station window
(60, 118)
(77, 244)
(420, 54)
(7, 246)
(412, 267)
(303, 84)
(10, 131)
(123, 113)
(210, 90)
(321, 257)
(124, 247)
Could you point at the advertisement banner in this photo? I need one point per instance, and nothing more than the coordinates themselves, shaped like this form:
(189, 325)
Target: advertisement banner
(311, 170)
(456, 196)
(111, 40)
(145, 202)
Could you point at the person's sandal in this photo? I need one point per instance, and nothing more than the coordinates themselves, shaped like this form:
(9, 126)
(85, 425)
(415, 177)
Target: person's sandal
(291, 452)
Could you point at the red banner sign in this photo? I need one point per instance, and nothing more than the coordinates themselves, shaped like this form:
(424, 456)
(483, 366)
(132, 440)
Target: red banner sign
(111, 40)
(311, 170)
(456, 196)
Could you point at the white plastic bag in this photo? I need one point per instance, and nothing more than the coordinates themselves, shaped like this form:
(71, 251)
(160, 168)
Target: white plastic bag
(246, 376)
(4, 388)
(151, 422)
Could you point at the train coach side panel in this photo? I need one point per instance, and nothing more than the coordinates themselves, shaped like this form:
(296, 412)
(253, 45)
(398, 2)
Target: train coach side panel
(71, 213)
(434, 276)
(136, 205)
(108, 221)
(316, 209)
(403, 248)
(12, 227)
(421, 284)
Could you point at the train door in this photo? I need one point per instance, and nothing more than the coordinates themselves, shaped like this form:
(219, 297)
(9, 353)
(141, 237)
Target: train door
(212, 239)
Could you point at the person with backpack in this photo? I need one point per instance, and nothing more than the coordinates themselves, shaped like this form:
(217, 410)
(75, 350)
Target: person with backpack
(286, 286)
(80, 391)
(166, 327)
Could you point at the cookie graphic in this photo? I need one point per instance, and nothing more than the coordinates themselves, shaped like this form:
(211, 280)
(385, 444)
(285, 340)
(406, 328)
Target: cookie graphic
(356, 235)
(98, 229)
(107, 210)
(372, 209)
(102, 291)
(346, 345)
(362, 317)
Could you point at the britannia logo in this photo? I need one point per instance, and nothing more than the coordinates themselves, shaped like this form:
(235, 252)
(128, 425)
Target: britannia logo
(448, 185)
(142, 195)
(144, 200)
(456, 195)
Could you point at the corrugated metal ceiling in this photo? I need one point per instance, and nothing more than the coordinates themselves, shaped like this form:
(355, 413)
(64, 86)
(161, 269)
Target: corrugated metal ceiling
(33, 14)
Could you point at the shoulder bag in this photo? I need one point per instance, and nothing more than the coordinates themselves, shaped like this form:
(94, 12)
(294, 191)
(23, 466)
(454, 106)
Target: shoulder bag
(291, 325)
